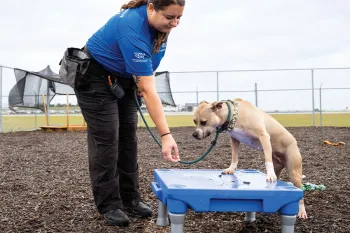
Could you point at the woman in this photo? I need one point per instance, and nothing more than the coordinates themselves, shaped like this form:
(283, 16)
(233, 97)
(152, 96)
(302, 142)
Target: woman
(126, 50)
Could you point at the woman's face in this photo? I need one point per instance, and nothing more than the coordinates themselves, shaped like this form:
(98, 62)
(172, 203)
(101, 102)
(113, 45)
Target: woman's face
(166, 19)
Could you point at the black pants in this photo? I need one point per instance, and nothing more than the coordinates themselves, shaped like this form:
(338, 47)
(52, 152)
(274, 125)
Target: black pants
(112, 142)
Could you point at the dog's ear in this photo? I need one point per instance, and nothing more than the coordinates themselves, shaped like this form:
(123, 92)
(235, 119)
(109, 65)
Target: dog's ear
(203, 102)
(217, 105)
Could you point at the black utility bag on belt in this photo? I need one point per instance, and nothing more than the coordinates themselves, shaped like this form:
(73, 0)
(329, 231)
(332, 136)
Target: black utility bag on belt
(74, 64)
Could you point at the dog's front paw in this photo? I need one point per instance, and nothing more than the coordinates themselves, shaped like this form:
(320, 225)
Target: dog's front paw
(228, 171)
(271, 177)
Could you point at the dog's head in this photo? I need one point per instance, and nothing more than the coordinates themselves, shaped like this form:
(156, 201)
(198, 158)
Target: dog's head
(207, 117)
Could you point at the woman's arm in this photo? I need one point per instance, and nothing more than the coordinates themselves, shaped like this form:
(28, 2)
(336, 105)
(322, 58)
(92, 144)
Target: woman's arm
(147, 88)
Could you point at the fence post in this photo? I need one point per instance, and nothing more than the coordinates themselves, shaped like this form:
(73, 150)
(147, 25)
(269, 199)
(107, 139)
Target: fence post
(321, 105)
(256, 94)
(0, 99)
(140, 119)
(35, 113)
(313, 97)
(48, 100)
(217, 86)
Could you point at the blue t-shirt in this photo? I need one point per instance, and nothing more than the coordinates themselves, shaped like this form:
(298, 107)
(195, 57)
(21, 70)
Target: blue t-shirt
(124, 44)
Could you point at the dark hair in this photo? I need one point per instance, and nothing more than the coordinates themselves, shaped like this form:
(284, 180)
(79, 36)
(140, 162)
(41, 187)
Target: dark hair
(158, 5)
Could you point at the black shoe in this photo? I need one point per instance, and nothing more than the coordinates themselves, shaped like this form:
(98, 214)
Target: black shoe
(116, 218)
(138, 209)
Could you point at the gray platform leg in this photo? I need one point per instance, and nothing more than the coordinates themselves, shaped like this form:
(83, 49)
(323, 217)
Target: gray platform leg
(177, 222)
(162, 219)
(288, 223)
(249, 217)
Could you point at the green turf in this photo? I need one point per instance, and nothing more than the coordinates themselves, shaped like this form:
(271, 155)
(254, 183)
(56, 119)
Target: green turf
(22, 123)
(295, 120)
(287, 120)
(19, 123)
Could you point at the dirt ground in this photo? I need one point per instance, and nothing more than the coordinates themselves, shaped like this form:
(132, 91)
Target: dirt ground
(45, 187)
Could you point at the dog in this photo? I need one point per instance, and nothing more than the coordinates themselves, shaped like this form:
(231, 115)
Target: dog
(249, 125)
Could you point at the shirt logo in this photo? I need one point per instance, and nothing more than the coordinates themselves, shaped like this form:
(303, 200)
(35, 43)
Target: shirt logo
(139, 55)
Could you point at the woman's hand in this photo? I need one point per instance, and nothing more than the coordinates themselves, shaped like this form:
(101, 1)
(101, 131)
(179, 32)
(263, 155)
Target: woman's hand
(169, 145)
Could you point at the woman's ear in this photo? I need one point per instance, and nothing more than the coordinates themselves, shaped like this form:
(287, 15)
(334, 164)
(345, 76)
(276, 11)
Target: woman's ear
(150, 8)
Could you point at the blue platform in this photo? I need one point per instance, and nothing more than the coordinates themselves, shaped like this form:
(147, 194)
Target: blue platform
(209, 191)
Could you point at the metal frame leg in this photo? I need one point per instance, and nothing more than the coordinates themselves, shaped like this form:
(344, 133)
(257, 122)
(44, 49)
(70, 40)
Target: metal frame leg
(288, 223)
(249, 217)
(177, 222)
(162, 219)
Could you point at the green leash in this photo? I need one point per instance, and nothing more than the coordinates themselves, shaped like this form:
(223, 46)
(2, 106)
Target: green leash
(309, 186)
(160, 145)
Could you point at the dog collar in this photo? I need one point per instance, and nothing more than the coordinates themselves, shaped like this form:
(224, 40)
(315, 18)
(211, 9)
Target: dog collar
(230, 123)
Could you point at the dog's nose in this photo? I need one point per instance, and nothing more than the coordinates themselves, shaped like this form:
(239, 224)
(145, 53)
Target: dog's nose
(195, 134)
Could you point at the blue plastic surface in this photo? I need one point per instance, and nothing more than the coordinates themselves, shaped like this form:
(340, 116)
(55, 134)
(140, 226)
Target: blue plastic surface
(209, 191)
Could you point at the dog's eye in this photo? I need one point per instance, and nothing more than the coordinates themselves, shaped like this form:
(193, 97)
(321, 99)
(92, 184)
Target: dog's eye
(195, 122)
(203, 123)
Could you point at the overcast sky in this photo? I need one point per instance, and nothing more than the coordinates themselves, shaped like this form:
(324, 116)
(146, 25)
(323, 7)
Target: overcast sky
(212, 36)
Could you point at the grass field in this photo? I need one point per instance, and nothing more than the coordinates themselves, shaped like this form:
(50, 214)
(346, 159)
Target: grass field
(30, 122)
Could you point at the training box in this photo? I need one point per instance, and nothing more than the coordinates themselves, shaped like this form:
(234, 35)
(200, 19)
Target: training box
(210, 191)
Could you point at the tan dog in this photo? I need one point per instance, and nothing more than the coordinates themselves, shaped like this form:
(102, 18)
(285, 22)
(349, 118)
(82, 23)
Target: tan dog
(257, 129)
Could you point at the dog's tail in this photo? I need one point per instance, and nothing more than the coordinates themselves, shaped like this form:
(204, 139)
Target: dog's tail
(238, 99)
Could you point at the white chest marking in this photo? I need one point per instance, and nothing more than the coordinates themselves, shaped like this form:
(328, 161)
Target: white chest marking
(245, 138)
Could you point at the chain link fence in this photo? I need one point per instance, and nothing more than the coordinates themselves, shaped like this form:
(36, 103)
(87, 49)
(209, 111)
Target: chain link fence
(313, 91)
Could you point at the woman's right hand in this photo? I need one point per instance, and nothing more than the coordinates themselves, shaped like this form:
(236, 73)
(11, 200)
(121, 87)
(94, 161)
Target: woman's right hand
(169, 145)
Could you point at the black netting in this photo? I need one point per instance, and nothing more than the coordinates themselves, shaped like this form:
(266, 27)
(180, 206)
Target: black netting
(30, 87)
(163, 88)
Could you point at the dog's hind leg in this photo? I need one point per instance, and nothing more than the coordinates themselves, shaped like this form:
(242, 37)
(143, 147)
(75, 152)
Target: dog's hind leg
(234, 162)
(278, 165)
(294, 166)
